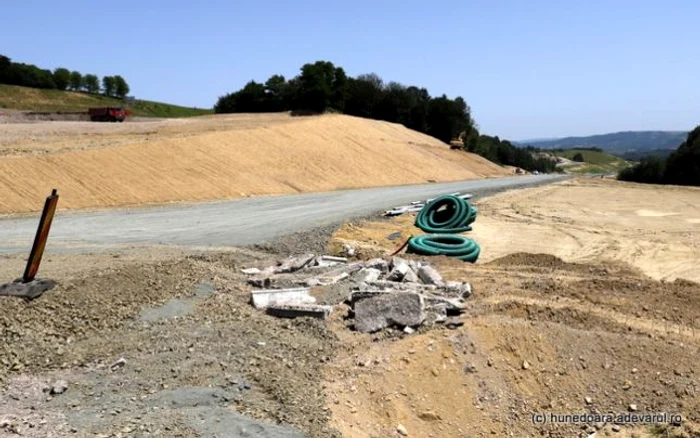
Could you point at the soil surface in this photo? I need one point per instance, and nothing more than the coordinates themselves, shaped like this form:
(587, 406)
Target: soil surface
(547, 332)
(217, 157)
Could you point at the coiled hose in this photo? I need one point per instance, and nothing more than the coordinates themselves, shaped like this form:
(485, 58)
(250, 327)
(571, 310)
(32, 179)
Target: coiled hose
(445, 216)
(451, 245)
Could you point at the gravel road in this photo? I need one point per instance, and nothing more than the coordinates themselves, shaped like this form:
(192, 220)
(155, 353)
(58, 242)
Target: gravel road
(231, 223)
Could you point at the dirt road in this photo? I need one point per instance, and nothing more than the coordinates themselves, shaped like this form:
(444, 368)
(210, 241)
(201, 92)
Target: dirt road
(227, 224)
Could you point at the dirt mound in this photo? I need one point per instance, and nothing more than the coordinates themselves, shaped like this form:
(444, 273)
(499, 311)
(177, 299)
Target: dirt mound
(219, 158)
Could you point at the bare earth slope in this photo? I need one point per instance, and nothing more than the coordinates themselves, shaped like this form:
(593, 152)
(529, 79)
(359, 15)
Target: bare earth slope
(217, 157)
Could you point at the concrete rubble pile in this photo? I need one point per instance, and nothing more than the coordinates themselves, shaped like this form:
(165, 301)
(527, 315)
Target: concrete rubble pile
(383, 293)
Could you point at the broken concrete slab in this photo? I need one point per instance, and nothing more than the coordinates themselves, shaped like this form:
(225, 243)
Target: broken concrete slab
(458, 289)
(293, 264)
(410, 277)
(366, 275)
(452, 305)
(393, 285)
(399, 269)
(430, 275)
(264, 298)
(297, 310)
(403, 309)
(380, 264)
(30, 290)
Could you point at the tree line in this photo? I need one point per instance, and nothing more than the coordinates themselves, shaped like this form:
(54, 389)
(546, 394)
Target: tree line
(681, 167)
(323, 87)
(29, 75)
(504, 152)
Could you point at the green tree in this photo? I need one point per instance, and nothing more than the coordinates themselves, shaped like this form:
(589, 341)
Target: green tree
(365, 92)
(683, 165)
(91, 83)
(121, 88)
(75, 82)
(109, 85)
(276, 91)
(321, 85)
(578, 157)
(61, 77)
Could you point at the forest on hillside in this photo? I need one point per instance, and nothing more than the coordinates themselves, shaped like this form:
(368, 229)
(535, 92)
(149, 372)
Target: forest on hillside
(29, 75)
(681, 167)
(324, 87)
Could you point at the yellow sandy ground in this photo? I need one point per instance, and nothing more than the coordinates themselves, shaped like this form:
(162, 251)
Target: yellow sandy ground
(653, 228)
(216, 157)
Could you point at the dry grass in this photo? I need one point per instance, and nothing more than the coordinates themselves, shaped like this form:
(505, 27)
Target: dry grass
(219, 158)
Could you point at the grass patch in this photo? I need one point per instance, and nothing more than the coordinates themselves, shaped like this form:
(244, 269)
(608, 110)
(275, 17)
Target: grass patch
(594, 161)
(34, 99)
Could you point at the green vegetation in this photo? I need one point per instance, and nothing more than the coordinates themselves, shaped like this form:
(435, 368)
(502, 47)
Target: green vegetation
(322, 87)
(593, 160)
(682, 167)
(503, 152)
(29, 75)
(33, 99)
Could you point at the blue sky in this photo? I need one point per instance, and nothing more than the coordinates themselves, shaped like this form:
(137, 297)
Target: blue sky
(528, 69)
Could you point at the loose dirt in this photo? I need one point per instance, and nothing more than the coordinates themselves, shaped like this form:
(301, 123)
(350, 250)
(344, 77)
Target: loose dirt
(549, 334)
(217, 157)
(583, 220)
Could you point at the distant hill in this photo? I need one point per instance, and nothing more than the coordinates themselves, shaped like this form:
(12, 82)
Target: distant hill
(618, 143)
(15, 97)
(593, 161)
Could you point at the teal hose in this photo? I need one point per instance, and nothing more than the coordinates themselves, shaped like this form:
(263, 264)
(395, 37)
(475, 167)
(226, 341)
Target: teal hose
(446, 214)
(452, 245)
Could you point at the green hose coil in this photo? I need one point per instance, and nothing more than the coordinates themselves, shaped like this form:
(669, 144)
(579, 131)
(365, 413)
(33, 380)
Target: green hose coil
(446, 214)
(451, 245)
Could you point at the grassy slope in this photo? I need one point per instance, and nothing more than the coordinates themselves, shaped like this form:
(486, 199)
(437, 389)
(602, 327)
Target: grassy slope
(33, 99)
(594, 162)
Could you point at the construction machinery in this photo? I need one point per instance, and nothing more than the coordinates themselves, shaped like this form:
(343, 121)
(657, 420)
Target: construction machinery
(108, 114)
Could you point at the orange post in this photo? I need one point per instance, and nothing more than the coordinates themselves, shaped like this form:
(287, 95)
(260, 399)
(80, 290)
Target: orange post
(42, 234)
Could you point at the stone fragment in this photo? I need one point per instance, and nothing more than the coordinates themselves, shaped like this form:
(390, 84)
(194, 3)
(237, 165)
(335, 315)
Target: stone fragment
(297, 310)
(402, 309)
(430, 275)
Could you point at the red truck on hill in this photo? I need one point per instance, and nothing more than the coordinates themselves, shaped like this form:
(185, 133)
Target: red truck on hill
(108, 114)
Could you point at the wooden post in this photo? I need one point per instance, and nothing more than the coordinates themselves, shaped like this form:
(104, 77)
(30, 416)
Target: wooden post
(42, 234)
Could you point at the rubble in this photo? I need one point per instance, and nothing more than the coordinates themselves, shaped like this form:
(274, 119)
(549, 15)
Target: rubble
(382, 293)
(295, 310)
(268, 297)
(430, 275)
(385, 310)
(399, 269)
(368, 275)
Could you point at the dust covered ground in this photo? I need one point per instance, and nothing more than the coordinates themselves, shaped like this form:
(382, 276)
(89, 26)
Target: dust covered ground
(548, 334)
(98, 165)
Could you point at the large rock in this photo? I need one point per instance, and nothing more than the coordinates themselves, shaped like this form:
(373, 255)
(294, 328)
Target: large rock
(400, 309)
(367, 275)
(399, 269)
(430, 275)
